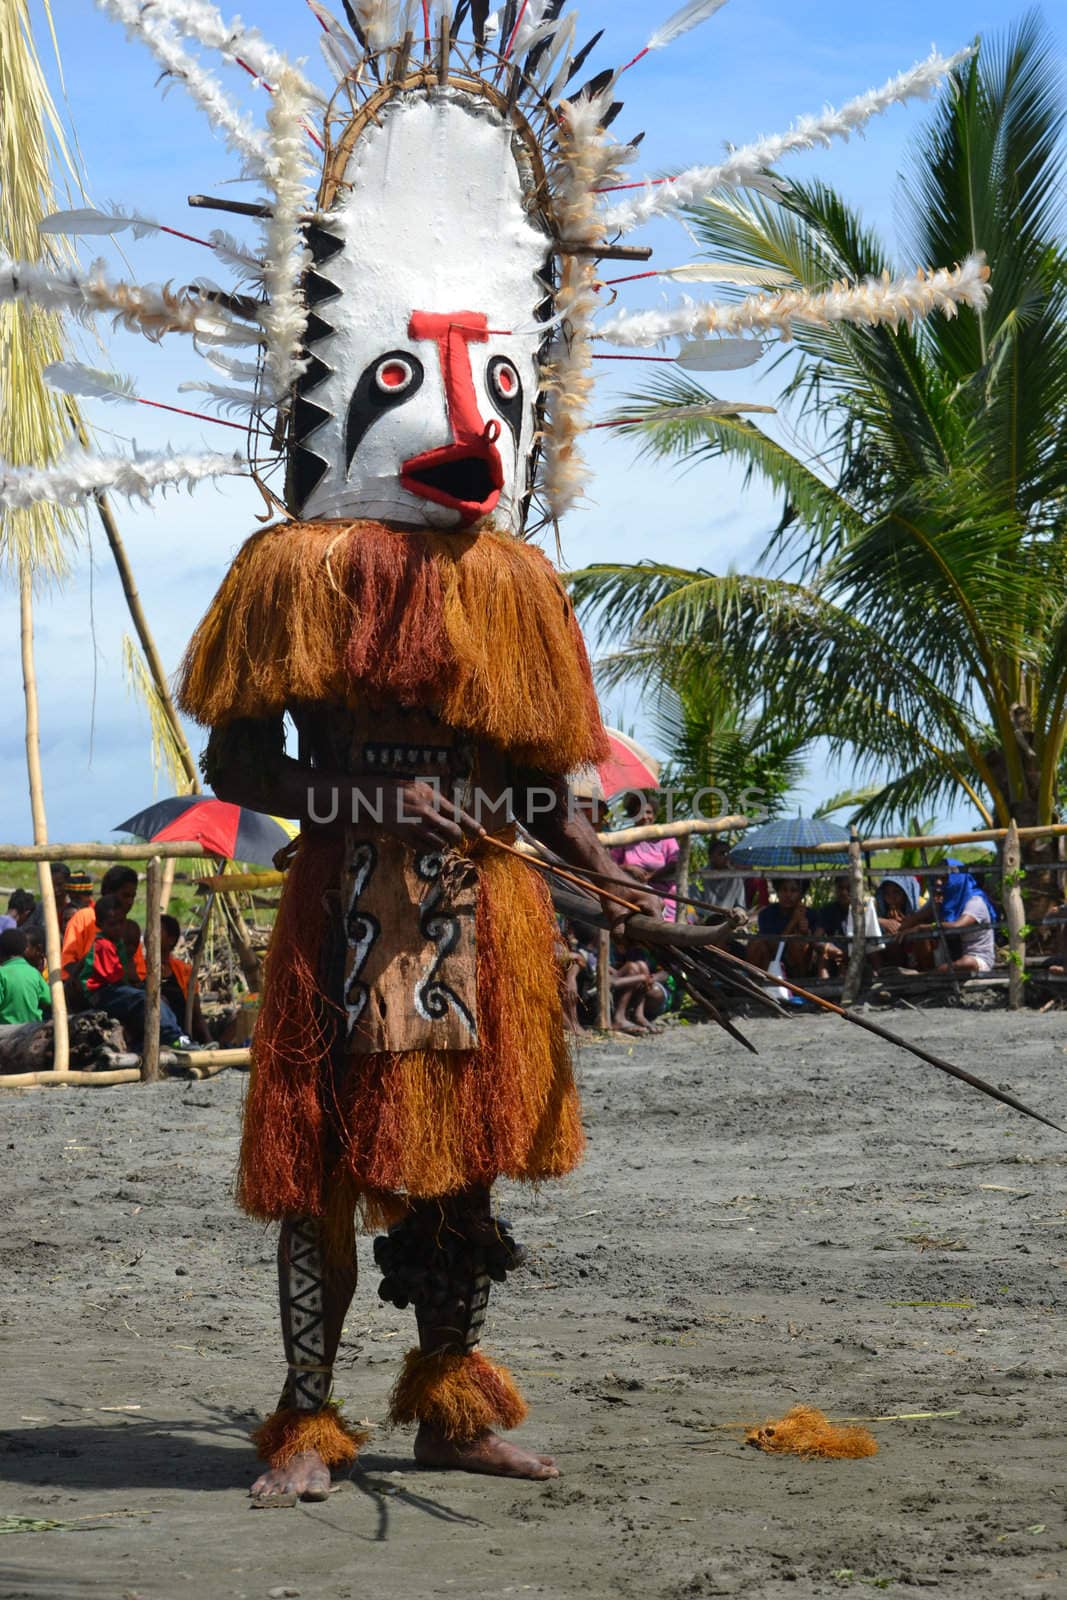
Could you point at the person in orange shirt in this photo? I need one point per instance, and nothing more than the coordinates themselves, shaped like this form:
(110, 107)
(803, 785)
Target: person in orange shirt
(176, 976)
(81, 930)
(107, 975)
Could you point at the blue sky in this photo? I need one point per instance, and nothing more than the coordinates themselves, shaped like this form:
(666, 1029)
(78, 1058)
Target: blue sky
(747, 72)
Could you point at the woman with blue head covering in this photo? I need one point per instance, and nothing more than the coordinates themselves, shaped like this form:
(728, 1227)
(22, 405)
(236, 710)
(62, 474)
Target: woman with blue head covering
(958, 906)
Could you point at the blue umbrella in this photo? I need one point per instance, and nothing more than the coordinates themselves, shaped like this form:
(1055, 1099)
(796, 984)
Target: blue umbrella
(775, 844)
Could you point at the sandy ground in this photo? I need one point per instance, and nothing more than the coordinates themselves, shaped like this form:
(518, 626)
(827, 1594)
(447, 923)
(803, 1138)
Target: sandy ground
(829, 1222)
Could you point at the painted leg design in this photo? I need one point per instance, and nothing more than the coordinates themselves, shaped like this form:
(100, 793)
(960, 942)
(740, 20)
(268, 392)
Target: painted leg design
(306, 1436)
(441, 1259)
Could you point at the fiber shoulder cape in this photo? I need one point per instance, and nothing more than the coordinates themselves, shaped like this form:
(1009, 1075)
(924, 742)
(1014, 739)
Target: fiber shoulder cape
(473, 625)
(476, 628)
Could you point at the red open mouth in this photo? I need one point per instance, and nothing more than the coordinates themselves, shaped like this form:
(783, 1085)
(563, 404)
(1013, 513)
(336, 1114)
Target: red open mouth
(467, 478)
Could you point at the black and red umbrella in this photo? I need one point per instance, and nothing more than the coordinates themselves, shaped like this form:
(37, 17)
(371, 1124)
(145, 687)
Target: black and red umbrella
(231, 832)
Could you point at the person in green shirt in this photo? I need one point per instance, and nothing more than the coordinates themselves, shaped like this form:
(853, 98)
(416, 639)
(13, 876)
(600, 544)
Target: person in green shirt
(24, 995)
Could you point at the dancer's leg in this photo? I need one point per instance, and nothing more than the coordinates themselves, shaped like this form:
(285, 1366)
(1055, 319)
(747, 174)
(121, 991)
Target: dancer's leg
(305, 1437)
(441, 1259)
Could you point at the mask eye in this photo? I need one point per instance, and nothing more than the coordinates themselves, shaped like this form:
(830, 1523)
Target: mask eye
(394, 375)
(390, 380)
(504, 380)
(505, 391)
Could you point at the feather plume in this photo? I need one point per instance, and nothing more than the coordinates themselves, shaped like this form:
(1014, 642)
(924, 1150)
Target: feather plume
(70, 377)
(377, 20)
(584, 154)
(85, 220)
(727, 272)
(145, 23)
(341, 50)
(226, 398)
(287, 258)
(79, 474)
(874, 302)
(141, 308)
(558, 44)
(234, 41)
(235, 254)
(719, 355)
(705, 411)
(747, 166)
(686, 17)
(527, 28)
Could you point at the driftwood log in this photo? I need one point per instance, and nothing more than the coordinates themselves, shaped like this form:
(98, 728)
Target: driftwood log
(95, 1040)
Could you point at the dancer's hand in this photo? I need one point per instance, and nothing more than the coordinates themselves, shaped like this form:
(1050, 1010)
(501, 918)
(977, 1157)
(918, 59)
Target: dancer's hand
(418, 813)
(636, 895)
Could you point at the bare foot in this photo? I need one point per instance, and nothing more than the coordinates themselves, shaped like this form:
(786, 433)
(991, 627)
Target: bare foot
(306, 1476)
(487, 1453)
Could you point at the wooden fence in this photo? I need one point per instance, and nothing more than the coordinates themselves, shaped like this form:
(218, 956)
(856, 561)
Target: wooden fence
(201, 1063)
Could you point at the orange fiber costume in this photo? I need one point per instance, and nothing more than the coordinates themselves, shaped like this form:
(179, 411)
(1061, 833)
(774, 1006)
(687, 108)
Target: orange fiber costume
(410, 1048)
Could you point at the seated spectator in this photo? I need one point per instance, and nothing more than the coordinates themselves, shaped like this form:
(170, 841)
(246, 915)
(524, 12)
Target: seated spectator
(640, 995)
(959, 908)
(781, 927)
(60, 873)
(20, 907)
(81, 930)
(79, 892)
(834, 920)
(108, 974)
(176, 976)
(35, 949)
(725, 893)
(24, 995)
(897, 897)
(653, 861)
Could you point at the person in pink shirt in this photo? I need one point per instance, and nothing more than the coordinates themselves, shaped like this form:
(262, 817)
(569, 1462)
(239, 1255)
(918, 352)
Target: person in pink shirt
(654, 861)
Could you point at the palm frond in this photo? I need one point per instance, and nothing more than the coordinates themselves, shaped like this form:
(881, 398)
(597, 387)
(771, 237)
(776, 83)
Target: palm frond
(36, 424)
(166, 752)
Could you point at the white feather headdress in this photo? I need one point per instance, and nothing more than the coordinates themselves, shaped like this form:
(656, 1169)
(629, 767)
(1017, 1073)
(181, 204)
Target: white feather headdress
(523, 63)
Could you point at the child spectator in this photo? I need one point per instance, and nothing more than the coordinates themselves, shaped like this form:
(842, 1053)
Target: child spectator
(176, 976)
(110, 978)
(81, 929)
(24, 995)
(35, 950)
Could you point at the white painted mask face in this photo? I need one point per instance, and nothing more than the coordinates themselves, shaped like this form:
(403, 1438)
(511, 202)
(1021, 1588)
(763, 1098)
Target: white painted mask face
(418, 407)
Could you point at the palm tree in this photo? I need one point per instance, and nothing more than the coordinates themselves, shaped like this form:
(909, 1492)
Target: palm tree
(913, 597)
(716, 742)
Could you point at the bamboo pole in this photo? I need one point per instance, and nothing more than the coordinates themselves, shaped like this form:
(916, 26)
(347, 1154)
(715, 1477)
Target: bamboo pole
(857, 950)
(673, 830)
(685, 846)
(53, 945)
(69, 1079)
(240, 881)
(153, 958)
(1048, 830)
(196, 960)
(100, 852)
(1015, 915)
(144, 635)
(213, 1058)
(169, 868)
(603, 980)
